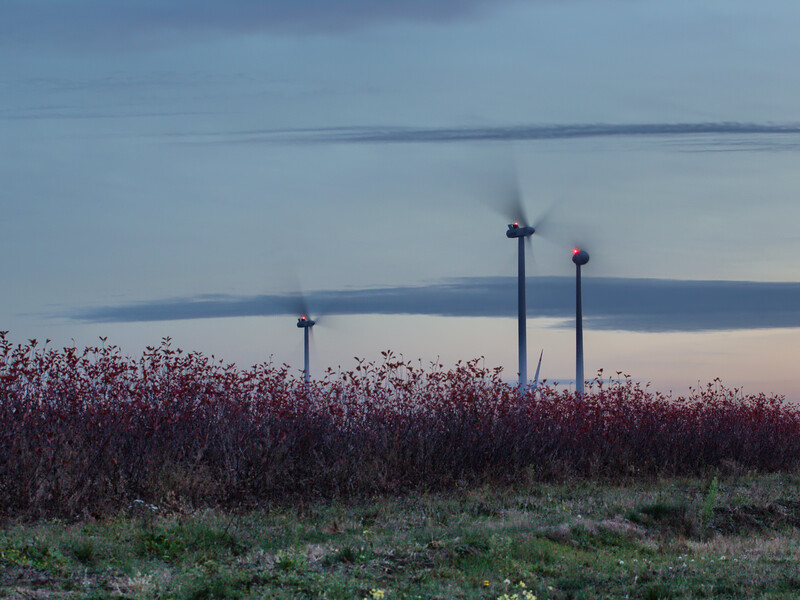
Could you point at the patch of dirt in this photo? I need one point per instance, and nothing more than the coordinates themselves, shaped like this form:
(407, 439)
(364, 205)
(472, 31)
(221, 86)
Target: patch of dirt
(27, 583)
(22, 593)
(557, 533)
(754, 518)
(622, 527)
(261, 560)
(616, 526)
(316, 552)
(25, 576)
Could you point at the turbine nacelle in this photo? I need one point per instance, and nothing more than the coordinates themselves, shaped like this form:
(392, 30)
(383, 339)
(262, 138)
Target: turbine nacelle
(580, 257)
(305, 322)
(515, 230)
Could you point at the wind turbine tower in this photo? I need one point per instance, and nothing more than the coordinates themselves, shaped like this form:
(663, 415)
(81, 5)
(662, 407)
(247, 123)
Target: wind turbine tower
(521, 233)
(306, 324)
(580, 258)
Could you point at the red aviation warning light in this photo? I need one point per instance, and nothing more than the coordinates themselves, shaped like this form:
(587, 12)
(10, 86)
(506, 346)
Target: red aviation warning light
(305, 322)
(580, 257)
(515, 230)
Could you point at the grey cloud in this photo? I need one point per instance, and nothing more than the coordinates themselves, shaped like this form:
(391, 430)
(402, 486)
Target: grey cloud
(393, 135)
(609, 303)
(82, 113)
(86, 22)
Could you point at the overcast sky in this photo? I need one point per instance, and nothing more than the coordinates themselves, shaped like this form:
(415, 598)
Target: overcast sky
(175, 168)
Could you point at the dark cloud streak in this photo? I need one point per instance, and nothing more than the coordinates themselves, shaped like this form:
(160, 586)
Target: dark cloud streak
(100, 22)
(395, 135)
(651, 305)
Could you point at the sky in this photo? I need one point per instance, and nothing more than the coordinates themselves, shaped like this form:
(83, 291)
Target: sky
(189, 168)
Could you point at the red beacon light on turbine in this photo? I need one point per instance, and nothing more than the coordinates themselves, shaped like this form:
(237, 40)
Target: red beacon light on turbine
(580, 257)
(305, 322)
(515, 230)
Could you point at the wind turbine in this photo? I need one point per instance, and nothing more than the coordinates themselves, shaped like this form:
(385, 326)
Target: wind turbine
(299, 305)
(506, 199)
(306, 324)
(522, 232)
(579, 257)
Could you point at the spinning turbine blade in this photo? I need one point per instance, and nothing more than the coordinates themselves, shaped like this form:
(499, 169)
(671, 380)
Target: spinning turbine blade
(298, 304)
(538, 368)
(542, 222)
(502, 193)
(511, 203)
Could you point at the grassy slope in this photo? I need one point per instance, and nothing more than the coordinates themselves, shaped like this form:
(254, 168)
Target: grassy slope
(662, 539)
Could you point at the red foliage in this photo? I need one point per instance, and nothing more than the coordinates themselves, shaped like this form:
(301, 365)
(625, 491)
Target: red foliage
(89, 431)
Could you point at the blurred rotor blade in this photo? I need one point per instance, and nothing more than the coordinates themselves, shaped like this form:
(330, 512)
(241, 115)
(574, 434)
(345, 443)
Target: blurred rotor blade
(581, 236)
(543, 224)
(510, 198)
(538, 368)
(564, 230)
(529, 251)
(501, 192)
(297, 304)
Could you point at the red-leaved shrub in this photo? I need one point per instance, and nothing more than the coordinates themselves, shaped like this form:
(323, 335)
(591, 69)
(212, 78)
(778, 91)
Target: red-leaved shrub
(87, 432)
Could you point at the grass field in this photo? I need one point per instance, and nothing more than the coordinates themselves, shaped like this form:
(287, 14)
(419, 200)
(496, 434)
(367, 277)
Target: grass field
(735, 536)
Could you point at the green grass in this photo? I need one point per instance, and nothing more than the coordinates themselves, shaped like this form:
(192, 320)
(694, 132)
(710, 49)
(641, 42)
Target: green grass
(735, 537)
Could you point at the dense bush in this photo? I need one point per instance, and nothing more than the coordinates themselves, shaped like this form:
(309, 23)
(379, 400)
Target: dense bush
(89, 432)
